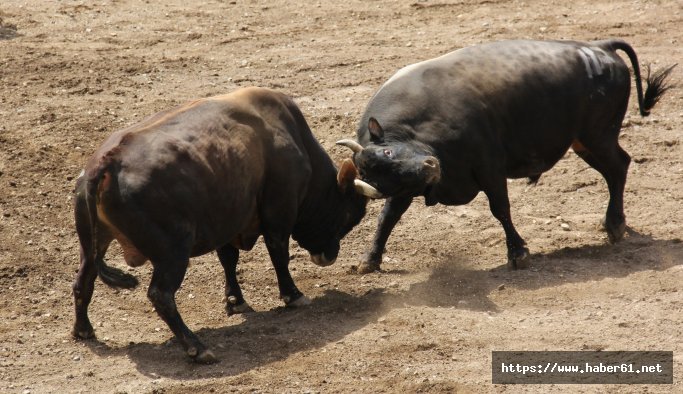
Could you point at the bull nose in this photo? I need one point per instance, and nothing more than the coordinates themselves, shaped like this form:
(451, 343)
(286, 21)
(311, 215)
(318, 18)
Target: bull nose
(321, 261)
(432, 169)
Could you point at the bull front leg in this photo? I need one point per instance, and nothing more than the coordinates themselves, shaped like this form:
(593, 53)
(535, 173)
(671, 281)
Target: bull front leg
(234, 300)
(394, 208)
(499, 204)
(278, 249)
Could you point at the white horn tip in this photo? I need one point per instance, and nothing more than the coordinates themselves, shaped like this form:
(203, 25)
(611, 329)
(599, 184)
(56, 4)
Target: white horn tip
(351, 144)
(366, 189)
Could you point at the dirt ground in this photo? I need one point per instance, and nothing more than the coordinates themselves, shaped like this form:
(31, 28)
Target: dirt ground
(72, 72)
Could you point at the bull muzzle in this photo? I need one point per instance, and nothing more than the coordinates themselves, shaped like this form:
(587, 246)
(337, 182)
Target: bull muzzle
(321, 261)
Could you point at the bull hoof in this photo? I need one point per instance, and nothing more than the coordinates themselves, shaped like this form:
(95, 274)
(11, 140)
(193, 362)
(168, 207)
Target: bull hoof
(232, 307)
(206, 357)
(299, 302)
(83, 332)
(615, 232)
(237, 309)
(518, 259)
(367, 267)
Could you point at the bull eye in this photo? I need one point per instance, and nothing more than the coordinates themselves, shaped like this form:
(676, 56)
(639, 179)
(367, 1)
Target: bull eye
(388, 153)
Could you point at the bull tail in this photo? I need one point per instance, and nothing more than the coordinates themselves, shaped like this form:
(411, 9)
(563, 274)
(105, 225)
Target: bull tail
(657, 83)
(111, 276)
(656, 86)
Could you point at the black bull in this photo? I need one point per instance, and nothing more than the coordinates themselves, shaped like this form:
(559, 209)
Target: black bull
(450, 127)
(212, 174)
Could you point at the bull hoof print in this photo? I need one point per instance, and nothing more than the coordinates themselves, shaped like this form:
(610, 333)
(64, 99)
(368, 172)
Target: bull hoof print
(238, 309)
(366, 268)
(299, 302)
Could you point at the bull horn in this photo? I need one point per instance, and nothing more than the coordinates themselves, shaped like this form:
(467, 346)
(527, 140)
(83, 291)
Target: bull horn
(366, 190)
(351, 144)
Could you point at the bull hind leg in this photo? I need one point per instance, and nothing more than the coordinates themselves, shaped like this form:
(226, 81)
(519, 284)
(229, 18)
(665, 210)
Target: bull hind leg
(234, 300)
(84, 283)
(83, 288)
(612, 162)
(167, 276)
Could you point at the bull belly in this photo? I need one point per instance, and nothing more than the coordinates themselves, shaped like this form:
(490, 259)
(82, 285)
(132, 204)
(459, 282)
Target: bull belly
(242, 234)
(452, 193)
(533, 164)
(528, 170)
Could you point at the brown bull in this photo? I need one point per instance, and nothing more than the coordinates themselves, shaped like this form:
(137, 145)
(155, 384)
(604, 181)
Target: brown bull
(212, 174)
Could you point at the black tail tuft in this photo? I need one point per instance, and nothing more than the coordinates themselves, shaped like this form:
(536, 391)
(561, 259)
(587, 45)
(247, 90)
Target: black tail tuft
(114, 277)
(657, 85)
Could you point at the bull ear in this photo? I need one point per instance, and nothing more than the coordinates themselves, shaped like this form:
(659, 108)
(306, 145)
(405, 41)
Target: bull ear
(347, 175)
(376, 132)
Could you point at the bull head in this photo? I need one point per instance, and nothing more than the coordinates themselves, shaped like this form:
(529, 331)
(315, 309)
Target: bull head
(348, 175)
(397, 167)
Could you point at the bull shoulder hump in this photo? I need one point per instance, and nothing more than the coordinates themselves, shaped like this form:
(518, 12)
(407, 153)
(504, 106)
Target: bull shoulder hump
(409, 69)
(404, 71)
(247, 94)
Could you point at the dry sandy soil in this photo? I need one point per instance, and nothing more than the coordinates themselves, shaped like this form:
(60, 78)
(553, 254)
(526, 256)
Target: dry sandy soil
(72, 72)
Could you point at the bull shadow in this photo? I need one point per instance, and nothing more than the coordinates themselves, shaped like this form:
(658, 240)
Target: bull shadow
(258, 339)
(636, 253)
(451, 285)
